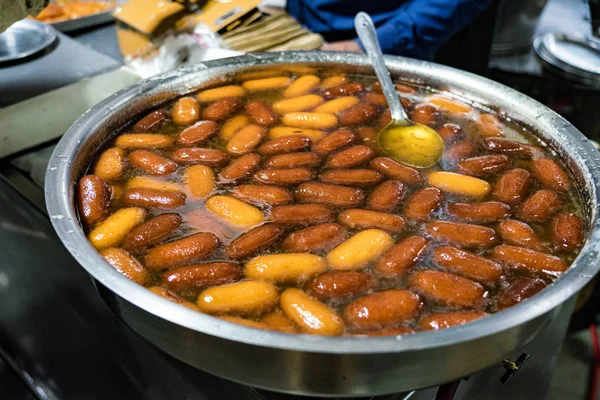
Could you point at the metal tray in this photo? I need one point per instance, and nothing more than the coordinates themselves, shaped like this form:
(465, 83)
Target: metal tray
(23, 39)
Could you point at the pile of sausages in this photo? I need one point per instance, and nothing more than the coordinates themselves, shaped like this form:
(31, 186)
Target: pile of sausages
(283, 215)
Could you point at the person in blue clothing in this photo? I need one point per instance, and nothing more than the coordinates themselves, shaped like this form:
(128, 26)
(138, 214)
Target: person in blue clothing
(411, 28)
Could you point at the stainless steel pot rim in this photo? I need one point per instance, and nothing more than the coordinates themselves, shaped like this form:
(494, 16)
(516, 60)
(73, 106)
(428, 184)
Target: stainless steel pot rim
(59, 192)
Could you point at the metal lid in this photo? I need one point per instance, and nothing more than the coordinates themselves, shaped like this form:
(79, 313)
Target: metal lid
(25, 38)
(574, 57)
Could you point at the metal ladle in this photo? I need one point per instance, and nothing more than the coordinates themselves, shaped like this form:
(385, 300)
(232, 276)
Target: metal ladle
(403, 140)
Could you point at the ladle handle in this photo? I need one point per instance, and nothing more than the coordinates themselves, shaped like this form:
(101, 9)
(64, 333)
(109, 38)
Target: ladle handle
(366, 32)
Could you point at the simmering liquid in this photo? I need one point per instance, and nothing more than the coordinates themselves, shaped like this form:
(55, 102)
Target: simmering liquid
(267, 202)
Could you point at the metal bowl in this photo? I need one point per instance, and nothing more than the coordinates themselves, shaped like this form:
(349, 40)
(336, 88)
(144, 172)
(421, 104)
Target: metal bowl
(306, 364)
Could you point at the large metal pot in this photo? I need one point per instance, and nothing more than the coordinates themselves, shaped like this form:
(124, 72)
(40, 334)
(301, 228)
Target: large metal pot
(306, 364)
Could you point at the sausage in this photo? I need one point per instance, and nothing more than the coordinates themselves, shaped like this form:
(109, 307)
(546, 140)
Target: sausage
(197, 155)
(284, 177)
(364, 219)
(182, 251)
(152, 163)
(263, 195)
(423, 204)
(520, 234)
(332, 195)
(483, 165)
(112, 230)
(340, 286)
(309, 120)
(150, 122)
(152, 198)
(222, 108)
(450, 132)
(368, 135)
(233, 125)
(254, 241)
(259, 85)
(482, 213)
(300, 103)
(334, 141)
(382, 310)
(234, 212)
(126, 264)
(351, 157)
(143, 141)
(111, 164)
(186, 111)
(93, 199)
(539, 206)
(345, 89)
(250, 297)
(309, 314)
(284, 144)
(359, 114)
(261, 113)
(466, 264)
(337, 105)
(190, 279)
(451, 106)
(146, 182)
(317, 238)
(375, 98)
(387, 196)
(333, 81)
(302, 214)
(394, 170)
(351, 177)
(567, 232)
(206, 96)
(509, 147)
(151, 232)
(446, 288)
(290, 268)
(245, 140)
(520, 257)
(403, 256)
(384, 119)
(240, 168)
(519, 290)
(424, 114)
(293, 160)
(551, 175)
(443, 320)
(512, 187)
(278, 321)
(489, 125)
(199, 180)
(463, 185)
(198, 133)
(463, 235)
(302, 85)
(360, 250)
